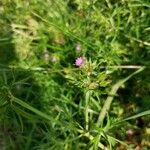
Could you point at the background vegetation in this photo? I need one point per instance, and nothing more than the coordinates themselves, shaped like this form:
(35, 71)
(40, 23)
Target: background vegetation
(47, 102)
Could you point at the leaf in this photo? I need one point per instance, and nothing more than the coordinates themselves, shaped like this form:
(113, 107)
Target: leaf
(23, 113)
(137, 115)
(117, 123)
(27, 106)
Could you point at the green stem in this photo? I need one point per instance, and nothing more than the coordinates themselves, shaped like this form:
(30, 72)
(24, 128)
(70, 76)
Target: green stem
(91, 138)
(109, 99)
(87, 98)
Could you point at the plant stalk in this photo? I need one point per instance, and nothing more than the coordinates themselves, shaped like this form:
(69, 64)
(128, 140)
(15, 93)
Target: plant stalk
(109, 99)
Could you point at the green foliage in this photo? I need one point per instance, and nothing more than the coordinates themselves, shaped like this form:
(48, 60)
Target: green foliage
(47, 102)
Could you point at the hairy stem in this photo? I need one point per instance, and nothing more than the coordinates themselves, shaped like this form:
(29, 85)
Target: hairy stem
(87, 98)
(113, 91)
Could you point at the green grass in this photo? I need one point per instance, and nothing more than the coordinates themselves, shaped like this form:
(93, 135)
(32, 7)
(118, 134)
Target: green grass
(49, 103)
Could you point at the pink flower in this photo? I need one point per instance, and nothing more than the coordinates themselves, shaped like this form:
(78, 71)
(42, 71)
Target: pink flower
(79, 61)
(130, 132)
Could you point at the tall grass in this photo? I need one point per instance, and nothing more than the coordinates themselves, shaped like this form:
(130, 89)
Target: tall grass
(48, 100)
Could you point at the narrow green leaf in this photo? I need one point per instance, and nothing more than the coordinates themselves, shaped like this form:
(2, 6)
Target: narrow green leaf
(27, 106)
(23, 113)
(137, 115)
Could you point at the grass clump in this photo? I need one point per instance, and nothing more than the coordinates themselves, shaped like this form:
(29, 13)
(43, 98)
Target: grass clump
(74, 74)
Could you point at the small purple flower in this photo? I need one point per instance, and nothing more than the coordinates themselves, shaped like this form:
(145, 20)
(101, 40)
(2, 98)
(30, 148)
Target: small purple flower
(78, 47)
(79, 61)
(130, 132)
